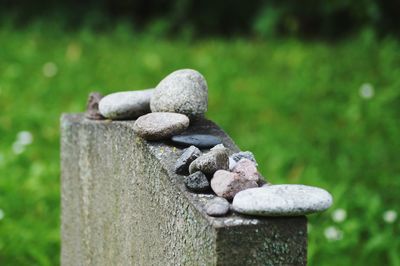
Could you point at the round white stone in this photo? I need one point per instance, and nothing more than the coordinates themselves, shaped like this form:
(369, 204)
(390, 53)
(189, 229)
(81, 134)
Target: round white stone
(126, 104)
(282, 200)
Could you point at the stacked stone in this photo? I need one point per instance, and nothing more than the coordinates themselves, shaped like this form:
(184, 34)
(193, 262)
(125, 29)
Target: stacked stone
(165, 113)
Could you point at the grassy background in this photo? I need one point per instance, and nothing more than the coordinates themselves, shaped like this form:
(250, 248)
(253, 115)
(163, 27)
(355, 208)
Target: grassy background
(296, 105)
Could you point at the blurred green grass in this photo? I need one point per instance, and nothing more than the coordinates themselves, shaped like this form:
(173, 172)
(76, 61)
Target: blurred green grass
(299, 106)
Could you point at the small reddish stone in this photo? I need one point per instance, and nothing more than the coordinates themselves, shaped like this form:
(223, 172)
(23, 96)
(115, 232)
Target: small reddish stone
(226, 184)
(247, 169)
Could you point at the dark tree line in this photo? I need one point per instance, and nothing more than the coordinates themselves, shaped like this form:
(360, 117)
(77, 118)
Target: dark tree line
(212, 17)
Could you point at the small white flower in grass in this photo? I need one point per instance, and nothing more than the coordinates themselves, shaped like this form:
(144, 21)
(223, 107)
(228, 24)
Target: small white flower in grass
(367, 91)
(1, 214)
(309, 227)
(50, 69)
(339, 215)
(18, 148)
(390, 216)
(333, 234)
(24, 137)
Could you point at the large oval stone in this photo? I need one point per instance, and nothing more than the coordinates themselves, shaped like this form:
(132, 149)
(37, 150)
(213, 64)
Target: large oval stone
(158, 126)
(126, 104)
(183, 91)
(282, 200)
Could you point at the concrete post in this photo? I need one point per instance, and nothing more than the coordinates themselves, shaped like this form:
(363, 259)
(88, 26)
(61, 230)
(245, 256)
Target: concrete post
(122, 204)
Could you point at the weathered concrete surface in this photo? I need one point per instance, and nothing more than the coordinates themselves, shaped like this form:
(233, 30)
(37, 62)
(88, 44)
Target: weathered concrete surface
(122, 204)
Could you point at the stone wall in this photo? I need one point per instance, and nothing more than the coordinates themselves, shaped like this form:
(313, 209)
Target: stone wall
(122, 204)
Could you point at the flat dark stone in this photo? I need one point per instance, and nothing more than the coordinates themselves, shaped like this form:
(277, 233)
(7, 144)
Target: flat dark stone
(201, 141)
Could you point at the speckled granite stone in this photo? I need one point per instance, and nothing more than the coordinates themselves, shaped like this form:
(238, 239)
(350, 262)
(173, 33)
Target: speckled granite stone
(183, 91)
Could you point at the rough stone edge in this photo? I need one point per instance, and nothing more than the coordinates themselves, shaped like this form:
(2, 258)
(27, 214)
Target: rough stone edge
(165, 153)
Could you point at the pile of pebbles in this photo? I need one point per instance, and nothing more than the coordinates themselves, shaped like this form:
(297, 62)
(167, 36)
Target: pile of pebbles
(165, 112)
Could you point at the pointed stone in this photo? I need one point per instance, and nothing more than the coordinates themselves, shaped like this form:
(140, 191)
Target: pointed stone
(188, 156)
(92, 107)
